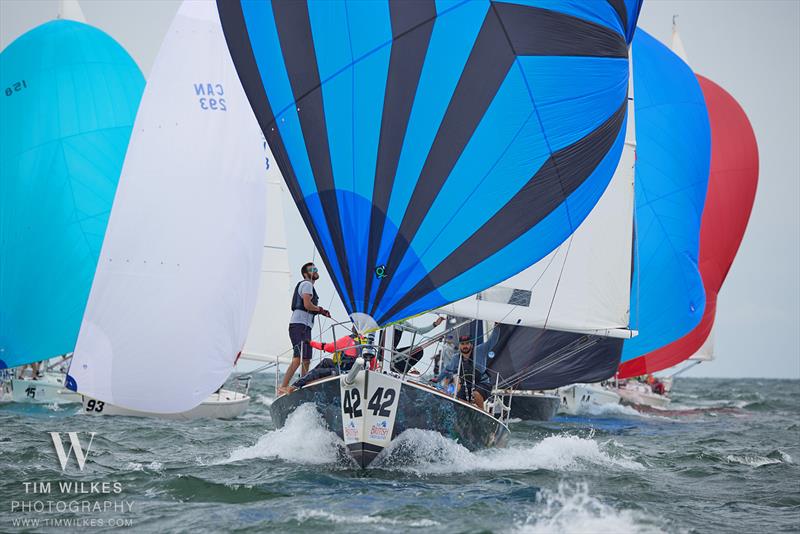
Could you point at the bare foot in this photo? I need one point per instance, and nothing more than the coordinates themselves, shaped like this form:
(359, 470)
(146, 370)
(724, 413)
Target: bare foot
(285, 390)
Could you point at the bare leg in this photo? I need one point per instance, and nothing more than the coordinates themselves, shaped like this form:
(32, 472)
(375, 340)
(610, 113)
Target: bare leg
(478, 399)
(306, 365)
(290, 371)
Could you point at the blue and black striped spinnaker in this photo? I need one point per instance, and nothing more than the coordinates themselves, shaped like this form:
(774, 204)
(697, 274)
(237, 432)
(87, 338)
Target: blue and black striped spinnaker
(435, 148)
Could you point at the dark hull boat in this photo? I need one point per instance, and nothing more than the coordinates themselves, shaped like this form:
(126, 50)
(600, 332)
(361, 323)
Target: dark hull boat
(534, 405)
(370, 413)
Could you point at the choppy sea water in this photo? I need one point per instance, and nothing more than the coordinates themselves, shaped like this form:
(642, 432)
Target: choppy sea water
(725, 457)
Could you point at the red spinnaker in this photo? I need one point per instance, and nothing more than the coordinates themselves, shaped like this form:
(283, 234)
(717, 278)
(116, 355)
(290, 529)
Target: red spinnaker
(732, 182)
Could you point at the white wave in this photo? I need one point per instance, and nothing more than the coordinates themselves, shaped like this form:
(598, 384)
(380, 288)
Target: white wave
(303, 439)
(305, 515)
(136, 466)
(754, 460)
(423, 451)
(611, 409)
(571, 509)
(266, 401)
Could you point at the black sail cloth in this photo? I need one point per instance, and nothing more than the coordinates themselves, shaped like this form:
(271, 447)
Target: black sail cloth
(532, 358)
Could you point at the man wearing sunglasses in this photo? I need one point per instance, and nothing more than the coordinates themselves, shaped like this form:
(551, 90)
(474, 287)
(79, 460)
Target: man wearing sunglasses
(304, 307)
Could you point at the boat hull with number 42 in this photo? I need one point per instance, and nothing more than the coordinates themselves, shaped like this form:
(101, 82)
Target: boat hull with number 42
(377, 408)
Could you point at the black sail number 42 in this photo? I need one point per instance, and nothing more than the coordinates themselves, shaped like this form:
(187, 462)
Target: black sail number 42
(351, 403)
(380, 402)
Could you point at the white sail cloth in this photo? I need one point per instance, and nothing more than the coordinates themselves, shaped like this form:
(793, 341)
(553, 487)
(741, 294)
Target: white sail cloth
(268, 339)
(177, 279)
(583, 286)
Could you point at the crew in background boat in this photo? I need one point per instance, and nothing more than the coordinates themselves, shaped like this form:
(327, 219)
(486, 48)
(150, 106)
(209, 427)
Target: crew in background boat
(304, 307)
(474, 383)
(402, 363)
(34, 370)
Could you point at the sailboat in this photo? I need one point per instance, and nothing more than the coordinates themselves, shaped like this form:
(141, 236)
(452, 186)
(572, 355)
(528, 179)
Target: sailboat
(671, 294)
(170, 306)
(62, 143)
(425, 169)
(732, 183)
(669, 187)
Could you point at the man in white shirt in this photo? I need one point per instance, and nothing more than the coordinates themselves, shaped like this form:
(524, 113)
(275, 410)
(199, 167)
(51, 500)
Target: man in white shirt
(304, 307)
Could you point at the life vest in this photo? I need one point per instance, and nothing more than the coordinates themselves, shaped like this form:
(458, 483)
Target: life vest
(349, 355)
(297, 299)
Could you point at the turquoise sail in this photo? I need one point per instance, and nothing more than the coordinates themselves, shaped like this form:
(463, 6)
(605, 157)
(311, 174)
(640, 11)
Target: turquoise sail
(69, 99)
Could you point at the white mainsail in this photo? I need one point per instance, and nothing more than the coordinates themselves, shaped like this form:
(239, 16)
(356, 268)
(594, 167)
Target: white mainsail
(178, 275)
(70, 10)
(706, 351)
(584, 285)
(677, 43)
(268, 339)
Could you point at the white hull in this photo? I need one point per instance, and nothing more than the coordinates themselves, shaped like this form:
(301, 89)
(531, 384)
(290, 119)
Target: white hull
(49, 389)
(225, 404)
(582, 398)
(638, 394)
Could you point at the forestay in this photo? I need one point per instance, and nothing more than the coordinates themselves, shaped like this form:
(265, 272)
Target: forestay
(70, 94)
(435, 148)
(177, 280)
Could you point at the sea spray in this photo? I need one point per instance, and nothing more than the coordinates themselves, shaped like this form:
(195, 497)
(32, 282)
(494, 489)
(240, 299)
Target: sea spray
(571, 509)
(303, 439)
(427, 452)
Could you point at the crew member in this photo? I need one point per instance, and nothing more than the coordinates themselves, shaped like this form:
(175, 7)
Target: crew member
(305, 306)
(473, 382)
(345, 349)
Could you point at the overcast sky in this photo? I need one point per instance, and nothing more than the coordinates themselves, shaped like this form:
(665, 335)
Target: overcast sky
(751, 48)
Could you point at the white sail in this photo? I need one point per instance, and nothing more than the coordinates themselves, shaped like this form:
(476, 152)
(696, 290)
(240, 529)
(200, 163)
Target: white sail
(584, 285)
(177, 279)
(268, 339)
(677, 43)
(706, 352)
(70, 10)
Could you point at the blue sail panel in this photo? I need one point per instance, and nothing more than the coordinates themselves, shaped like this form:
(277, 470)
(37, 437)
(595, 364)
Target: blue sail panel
(71, 95)
(384, 123)
(673, 154)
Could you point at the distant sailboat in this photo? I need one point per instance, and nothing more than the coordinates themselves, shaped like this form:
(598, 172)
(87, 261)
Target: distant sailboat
(177, 281)
(425, 169)
(70, 97)
(732, 183)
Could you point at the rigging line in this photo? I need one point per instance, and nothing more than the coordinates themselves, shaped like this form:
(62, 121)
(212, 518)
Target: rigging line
(552, 300)
(522, 374)
(554, 359)
(558, 282)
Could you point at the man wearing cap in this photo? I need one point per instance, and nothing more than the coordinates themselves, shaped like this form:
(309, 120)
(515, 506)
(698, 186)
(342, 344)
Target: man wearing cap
(474, 383)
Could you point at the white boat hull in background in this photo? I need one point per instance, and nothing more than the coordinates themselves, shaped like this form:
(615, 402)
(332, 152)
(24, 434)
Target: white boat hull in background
(585, 398)
(638, 394)
(224, 404)
(49, 389)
